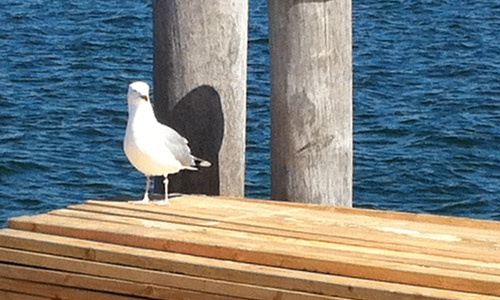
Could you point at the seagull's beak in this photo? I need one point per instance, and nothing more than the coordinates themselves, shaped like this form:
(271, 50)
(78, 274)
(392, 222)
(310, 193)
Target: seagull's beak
(145, 97)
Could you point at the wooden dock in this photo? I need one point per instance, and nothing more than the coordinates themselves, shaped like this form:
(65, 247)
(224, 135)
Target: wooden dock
(224, 248)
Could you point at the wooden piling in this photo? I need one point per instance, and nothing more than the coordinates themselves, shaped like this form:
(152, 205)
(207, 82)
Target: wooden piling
(200, 68)
(311, 81)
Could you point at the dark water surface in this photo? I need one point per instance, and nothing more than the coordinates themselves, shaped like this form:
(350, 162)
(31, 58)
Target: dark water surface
(427, 103)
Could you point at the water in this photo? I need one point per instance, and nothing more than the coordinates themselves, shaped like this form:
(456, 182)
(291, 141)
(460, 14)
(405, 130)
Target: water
(427, 103)
(427, 106)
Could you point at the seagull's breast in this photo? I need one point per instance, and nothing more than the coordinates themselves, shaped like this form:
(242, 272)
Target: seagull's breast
(148, 164)
(144, 148)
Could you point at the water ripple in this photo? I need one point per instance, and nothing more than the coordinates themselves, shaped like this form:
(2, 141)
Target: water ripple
(426, 90)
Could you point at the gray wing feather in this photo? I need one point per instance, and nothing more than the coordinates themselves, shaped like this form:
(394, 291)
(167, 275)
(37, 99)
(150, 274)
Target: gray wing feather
(178, 145)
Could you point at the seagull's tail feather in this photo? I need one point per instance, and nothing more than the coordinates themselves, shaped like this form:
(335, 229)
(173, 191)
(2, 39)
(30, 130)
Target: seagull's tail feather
(198, 162)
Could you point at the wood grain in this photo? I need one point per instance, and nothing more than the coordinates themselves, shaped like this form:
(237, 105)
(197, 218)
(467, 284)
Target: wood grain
(311, 101)
(200, 76)
(252, 248)
(246, 249)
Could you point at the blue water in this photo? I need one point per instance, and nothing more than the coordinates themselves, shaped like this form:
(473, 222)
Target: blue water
(426, 103)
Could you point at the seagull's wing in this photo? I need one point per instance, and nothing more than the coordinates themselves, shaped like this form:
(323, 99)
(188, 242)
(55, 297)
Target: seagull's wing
(178, 145)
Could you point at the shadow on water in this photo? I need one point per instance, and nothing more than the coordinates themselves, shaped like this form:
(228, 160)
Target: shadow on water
(199, 118)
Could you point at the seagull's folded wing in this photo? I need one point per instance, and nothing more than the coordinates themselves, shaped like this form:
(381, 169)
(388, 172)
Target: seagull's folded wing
(178, 145)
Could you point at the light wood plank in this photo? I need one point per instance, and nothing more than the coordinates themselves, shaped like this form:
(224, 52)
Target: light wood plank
(55, 291)
(211, 243)
(344, 216)
(261, 238)
(367, 251)
(351, 288)
(6, 295)
(102, 284)
(321, 221)
(141, 276)
(346, 235)
(392, 215)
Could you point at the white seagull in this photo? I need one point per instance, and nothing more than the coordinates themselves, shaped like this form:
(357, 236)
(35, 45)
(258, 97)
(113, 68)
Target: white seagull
(153, 148)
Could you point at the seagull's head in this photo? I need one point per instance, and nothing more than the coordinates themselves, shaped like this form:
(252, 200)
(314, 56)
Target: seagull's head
(138, 92)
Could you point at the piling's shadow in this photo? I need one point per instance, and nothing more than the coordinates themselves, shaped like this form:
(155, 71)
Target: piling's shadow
(199, 118)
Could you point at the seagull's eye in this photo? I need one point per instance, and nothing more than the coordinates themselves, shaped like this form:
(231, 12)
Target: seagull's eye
(144, 97)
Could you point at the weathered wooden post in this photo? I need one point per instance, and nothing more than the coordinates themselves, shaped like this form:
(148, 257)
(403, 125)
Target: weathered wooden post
(311, 81)
(200, 68)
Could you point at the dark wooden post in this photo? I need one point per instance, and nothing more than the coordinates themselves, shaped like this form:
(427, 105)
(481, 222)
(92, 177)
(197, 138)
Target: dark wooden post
(311, 81)
(200, 68)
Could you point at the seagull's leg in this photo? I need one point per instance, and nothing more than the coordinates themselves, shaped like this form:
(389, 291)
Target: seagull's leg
(146, 192)
(165, 201)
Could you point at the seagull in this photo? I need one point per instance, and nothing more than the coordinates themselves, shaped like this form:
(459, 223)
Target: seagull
(151, 147)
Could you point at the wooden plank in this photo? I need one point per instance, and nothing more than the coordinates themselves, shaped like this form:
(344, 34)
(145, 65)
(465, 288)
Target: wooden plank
(141, 276)
(351, 288)
(318, 221)
(239, 247)
(56, 292)
(101, 284)
(392, 215)
(337, 215)
(389, 236)
(370, 251)
(6, 295)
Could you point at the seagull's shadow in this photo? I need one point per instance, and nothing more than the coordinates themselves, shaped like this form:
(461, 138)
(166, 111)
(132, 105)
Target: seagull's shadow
(199, 118)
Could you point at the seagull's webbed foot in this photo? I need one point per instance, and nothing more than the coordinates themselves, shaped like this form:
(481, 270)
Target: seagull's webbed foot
(163, 202)
(145, 200)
